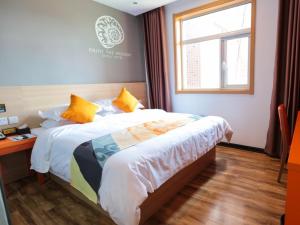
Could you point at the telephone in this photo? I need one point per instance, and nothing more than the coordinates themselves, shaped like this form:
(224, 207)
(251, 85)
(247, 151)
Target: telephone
(2, 136)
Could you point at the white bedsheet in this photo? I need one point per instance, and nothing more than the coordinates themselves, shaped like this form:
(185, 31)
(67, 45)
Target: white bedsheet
(38, 131)
(130, 175)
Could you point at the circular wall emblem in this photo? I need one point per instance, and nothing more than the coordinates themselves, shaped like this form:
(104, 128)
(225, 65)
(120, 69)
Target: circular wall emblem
(109, 31)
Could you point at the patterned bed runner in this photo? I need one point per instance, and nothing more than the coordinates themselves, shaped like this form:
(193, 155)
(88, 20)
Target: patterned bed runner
(89, 158)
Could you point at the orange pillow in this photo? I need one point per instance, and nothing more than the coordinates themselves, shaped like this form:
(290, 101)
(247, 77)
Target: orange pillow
(80, 110)
(126, 101)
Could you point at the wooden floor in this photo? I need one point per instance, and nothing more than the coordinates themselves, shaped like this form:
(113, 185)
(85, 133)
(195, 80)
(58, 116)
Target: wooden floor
(239, 189)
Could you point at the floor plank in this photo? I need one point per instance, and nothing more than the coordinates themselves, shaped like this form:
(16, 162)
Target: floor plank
(240, 188)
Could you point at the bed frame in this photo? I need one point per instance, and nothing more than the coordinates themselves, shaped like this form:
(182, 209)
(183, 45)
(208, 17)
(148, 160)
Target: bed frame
(160, 196)
(33, 98)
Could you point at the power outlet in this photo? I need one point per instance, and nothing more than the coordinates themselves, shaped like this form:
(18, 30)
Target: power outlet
(13, 119)
(3, 121)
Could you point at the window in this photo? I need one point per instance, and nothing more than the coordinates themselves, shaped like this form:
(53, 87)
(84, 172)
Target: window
(214, 48)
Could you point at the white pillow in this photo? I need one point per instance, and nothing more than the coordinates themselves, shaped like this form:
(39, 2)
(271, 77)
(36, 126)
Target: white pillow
(49, 123)
(106, 105)
(108, 108)
(53, 113)
(52, 123)
(140, 106)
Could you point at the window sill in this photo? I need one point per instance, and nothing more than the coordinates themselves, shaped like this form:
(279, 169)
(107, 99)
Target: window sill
(216, 91)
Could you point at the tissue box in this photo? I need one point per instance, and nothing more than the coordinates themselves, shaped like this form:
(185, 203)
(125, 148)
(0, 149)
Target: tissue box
(25, 130)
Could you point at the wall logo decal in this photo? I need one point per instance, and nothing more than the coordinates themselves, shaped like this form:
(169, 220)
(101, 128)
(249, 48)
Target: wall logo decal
(109, 31)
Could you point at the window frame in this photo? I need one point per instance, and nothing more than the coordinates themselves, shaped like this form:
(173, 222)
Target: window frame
(219, 5)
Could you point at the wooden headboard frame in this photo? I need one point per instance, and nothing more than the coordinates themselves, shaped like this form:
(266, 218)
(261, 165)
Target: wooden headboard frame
(25, 101)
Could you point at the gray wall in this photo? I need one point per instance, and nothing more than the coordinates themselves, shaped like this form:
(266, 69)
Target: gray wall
(49, 42)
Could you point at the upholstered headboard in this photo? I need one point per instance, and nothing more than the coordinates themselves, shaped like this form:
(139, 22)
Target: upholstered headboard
(25, 101)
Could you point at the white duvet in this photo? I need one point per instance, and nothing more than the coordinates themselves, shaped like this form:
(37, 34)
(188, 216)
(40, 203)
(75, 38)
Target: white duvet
(129, 175)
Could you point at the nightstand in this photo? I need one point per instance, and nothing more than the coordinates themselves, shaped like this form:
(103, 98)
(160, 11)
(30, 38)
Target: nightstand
(8, 147)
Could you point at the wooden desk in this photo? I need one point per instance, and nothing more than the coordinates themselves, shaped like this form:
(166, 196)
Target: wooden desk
(293, 185)
(8, 147)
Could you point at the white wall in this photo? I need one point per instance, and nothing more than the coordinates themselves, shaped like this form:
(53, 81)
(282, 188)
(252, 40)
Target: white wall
(247, 114)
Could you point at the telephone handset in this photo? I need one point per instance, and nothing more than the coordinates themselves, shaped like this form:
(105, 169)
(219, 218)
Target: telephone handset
(2, 136)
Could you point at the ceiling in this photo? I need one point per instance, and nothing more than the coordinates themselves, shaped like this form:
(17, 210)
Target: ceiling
(135, 7)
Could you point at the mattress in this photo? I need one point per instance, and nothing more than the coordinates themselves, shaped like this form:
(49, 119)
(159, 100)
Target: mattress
(38, 131)
(55, 170)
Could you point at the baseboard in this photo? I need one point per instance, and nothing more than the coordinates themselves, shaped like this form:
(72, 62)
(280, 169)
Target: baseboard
(242, 147)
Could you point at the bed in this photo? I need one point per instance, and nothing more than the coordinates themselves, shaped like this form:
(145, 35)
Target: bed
(136, 181)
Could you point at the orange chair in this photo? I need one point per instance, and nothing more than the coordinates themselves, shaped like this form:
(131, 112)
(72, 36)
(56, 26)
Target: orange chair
(286, 138)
